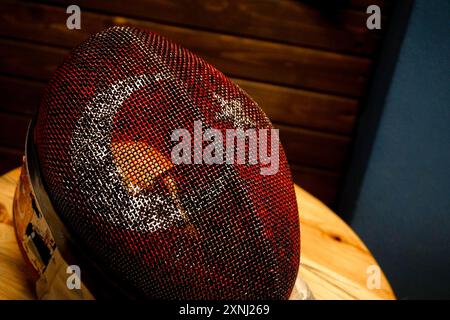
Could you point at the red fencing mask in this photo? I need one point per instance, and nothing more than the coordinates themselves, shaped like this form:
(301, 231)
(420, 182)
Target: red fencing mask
(154, 174)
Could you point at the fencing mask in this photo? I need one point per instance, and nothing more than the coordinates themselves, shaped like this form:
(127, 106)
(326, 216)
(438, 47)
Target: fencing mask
(149, 174)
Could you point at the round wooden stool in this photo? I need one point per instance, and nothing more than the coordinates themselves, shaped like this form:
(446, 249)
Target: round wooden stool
(335, 263)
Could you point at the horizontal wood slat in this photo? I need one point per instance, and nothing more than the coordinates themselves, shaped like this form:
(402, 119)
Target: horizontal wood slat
(303, 147)
(239, 57)
(303, 108)
(322, 184)
(294, 22)
(363, 4)
(13, 130)
(19, 95)
(315, 149)
(27, 60)
(9, 159)
(282, 105)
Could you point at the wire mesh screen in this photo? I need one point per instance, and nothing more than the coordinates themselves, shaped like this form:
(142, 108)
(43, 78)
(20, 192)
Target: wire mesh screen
(171, 231)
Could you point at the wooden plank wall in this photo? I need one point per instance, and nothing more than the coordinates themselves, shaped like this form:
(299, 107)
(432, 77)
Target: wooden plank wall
(306, 63)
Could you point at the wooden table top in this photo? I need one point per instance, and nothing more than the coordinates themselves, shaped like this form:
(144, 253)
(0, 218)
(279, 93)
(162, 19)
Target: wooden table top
(334, 261)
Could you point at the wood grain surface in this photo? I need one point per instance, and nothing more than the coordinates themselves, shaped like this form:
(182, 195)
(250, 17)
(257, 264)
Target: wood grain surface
(334, 260)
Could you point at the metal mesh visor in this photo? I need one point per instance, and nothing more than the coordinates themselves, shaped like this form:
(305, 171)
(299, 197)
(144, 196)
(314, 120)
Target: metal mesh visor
(186, 231)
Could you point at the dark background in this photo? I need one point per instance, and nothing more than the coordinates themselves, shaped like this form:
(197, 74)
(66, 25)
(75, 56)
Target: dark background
(364, 115)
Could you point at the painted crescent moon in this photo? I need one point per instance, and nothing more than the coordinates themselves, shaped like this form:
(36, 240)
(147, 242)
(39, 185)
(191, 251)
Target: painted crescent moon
(90, 152)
